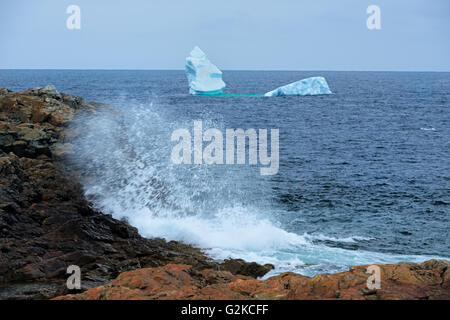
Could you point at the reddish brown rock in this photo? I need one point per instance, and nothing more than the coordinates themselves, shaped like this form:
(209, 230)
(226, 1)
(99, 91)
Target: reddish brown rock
(173, 281)
(428, 280)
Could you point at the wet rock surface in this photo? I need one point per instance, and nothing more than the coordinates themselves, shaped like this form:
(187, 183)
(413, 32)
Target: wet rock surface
(46, 224)
(239, 266)
(429, 280)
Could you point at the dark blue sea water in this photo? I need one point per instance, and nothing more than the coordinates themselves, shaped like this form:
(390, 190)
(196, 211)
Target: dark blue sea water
(364, 173)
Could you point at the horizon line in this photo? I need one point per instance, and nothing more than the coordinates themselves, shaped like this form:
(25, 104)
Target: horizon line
(256, 70)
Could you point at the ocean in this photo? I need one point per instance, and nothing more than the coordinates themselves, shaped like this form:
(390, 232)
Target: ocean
(364, 173)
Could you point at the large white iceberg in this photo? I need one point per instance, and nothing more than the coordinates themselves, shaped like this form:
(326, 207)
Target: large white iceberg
(306, 87)
(204, 77)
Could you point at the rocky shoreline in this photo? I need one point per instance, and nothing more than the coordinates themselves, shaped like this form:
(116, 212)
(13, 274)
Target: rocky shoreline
(46, 225)
(427, 281)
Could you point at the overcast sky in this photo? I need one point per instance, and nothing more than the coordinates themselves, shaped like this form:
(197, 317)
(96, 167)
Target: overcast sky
(235, 34)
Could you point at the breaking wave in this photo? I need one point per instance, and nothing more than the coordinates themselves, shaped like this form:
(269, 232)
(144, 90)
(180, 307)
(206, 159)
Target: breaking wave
(226, 210)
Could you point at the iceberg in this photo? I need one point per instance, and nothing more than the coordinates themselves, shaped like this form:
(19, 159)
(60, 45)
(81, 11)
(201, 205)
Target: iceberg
(306, 87)
(204, 77)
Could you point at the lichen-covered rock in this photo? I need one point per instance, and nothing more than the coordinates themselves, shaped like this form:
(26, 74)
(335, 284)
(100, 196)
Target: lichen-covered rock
(173, 281)
(398, 281)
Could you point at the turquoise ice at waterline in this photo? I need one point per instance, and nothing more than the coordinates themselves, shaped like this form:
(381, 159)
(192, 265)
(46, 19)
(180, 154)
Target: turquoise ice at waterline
(205, 79)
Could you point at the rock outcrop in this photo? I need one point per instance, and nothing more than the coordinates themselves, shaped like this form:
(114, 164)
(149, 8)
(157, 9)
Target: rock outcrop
(45, 222)
(429, 280)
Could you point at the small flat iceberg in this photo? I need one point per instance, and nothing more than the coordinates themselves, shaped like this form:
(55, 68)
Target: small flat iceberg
(306, 87)
(204, 77)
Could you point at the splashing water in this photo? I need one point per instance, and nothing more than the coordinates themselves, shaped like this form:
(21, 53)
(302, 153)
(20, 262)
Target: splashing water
(226, 210)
